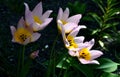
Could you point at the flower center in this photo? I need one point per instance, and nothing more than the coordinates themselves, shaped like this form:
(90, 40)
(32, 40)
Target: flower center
(21, 35)
(64, 22)
(85, 54)
(72, 42)
(37, 19)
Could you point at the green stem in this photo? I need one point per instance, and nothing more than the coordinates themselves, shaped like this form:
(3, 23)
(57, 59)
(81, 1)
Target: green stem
(66, 71)
(52, 55)
(18, 67)
(20, 61)
(23, 56)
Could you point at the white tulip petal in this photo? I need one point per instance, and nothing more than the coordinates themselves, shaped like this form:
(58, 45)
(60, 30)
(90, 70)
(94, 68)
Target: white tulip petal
(95, 54)
(28, 15)
(82, 45)
(60, 13)
(65, 14)
(21, 23)
(26, 41)
(79, 39)
(69, 27)
(90, 44)
(47, 21)
(13, 30)
(46, 14)
(38, 10)
(63, 33)
(43, 25)
(13, 40)
(75, 18)
(75, 31)
(72, 53)
(35, 36)
(83, 61)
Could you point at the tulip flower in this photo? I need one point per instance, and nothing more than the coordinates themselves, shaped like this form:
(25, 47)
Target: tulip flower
(72, 42)
(35, 18)
(69, 23)
(23, 34)
(86, 55)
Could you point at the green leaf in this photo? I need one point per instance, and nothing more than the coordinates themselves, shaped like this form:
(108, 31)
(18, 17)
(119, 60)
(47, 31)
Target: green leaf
(113, 24)
(63, 64)
(113, 11)
(85, 69)
(97, 18)
(107, 65)
(105, 74)
(95, 31)
(112, 3)
(100, 4)
(101, 43)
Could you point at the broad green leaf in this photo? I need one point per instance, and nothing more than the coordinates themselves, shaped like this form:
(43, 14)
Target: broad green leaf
(85, 69)
(106, 74)
(107, 65)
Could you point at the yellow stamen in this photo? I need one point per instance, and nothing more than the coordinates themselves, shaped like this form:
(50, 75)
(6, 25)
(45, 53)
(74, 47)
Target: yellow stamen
(72, 42)
(85, 54)
(37, 19)
(21, 35)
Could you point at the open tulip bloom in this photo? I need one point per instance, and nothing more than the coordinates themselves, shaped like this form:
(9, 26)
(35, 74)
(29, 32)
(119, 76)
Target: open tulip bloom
(38, 20)
(77, 47)
(86, 55)
(69, 23)
(72, 42)
(23, 34)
